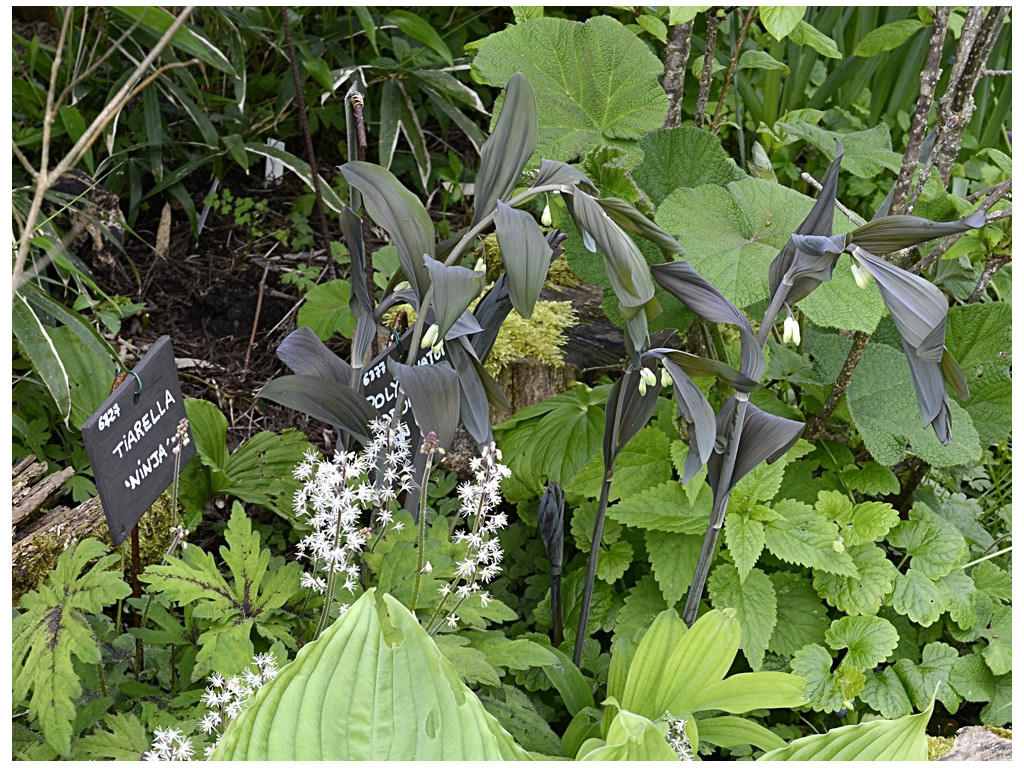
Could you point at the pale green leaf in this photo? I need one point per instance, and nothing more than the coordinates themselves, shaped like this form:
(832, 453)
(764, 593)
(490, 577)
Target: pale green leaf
(993, 581)
(614, 561)
(805, 34)
(867, 154)
(936, 547)
(803, 618)
(673, 558)
(962, 595)
(972, 679)
(471, 663)
(679, 451)
(884, 408)
(664, 507)
(781, 20)
(751, 59)
(804, 536)
(682, 157)
(326, 311)
(631, 737)
(871, 479)
(748, 691)
(595, 82)
(870, 639)
(727, 731)
(863, 594)
(744, 536)
(858, 524)
(373, 686)
(881, 740)
(887, 37)
(754, 601)
(827, 691)
(918, 598)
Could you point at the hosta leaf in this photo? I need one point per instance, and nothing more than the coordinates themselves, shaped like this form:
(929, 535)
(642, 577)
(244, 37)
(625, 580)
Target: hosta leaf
(630, 737)
(615, 94)
(373, 686)
(886, 740)
(884, 409)
(729, 732)
(753, 599)
(400, 212)
(509, 147)
(803, 618)
(864, 593)
(53, 628)
(525, 254)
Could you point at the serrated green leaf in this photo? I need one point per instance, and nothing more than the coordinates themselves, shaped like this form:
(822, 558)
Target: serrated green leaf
(805, 537)
(614, 561)
(973, 680)
(54, 628)
(887, 37)
(861, 524)
(871, 479)
(865, 593)
(884, 740)
(642, 464)
(581, 525)
(373, 686)
(754, 601)
(918, 598)
(122, 737)
(827, 691)
(682, 157)
(884, 408)
(614, 95)
(978, 337)
(764, 480)
(326, 311)
(998, 654)
(802, 616)
(962, 595)
(993, 581)
(935, 546)
(641, 605)
(673, 558)
(884, 692)
(679, 451)
(664, 507)
(870, 639)
(517, 715)
(744, 536)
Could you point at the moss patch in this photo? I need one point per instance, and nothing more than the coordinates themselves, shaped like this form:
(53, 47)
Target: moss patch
(542, 337)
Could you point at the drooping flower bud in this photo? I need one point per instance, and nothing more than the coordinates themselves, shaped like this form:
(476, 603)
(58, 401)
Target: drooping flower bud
(545, 217)
(861, 276)
(666, 378)
(429, 337)
(791, 331)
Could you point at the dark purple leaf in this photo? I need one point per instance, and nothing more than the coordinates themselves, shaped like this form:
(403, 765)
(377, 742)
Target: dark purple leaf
(525, 254)
(551, 523)
(634, 222)
(454, 290)
(696, 412)
(397, 210)
(694, 365)
(433, 391)
(556, 172)
(325, 400)
(306, 355)
(360, 302)
(626, 413)
(477, 387)
(508, 149)
(893, 233)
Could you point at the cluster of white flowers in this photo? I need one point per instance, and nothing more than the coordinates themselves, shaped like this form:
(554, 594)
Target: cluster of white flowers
(482, 562)
(225, 699)
(337, 493)
(677, 738)
(169, 744)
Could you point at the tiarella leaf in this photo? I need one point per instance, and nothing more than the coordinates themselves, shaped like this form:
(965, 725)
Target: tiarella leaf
(893, 233)
(306, 355)
(323, 399)
(433, 391)
(525, 254)
(397, 210)
(455, 288)
(509, 147)
(765, 437)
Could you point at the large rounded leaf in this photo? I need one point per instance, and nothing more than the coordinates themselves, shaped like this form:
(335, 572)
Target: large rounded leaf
(374, 686)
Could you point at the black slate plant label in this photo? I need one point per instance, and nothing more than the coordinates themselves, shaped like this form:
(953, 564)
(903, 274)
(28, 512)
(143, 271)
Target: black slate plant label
(130, 439)
(381, 389)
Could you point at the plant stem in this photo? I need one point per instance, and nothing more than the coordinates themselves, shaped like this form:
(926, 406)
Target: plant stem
(588, 583)
(705, 76)
(731, 71)
(307, 138)
(677, 56)
(556, 606)
(710, 543)
(987, 557)
(421, 536)
(820, 419)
